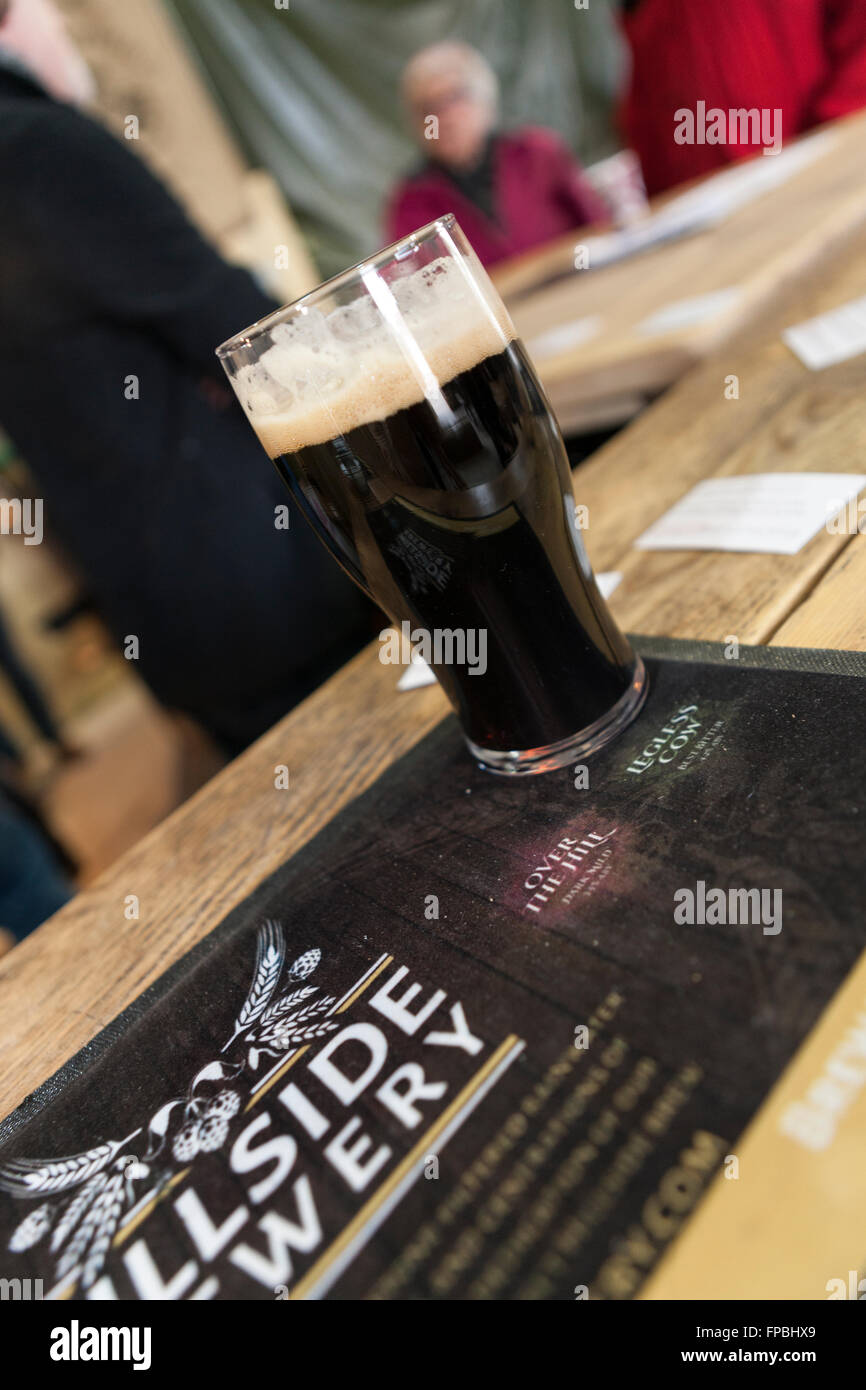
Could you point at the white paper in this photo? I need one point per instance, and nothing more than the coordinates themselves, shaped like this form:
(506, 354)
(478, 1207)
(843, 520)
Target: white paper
(607, 581)
(829, 338)
(685, 313)
(606, 248)
(742, 182)
(567, 335)
(417, 673)
(710, 203)
(764, 513)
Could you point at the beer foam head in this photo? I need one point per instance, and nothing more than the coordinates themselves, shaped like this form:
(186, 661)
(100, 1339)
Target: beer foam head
(327, 373)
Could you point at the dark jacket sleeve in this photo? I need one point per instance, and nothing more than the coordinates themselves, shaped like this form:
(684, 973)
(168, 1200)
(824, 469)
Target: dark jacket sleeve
(104, 231)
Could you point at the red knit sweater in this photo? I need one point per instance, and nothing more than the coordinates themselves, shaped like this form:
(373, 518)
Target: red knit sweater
(804, 57)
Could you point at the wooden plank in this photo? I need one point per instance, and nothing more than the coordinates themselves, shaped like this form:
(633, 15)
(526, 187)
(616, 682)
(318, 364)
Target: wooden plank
(834, 614)
(606, 412)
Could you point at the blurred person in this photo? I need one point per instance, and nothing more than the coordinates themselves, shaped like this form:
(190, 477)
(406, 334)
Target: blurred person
(33, 873)
(25, 687)
(111, 306)
(34, 33)
(510, 190)
(805, 59)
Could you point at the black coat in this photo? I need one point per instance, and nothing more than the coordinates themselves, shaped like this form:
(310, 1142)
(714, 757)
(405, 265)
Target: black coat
(165, 502)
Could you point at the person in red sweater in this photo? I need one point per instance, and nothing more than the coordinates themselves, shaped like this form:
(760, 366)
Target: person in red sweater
(509, 191)
(802, 62)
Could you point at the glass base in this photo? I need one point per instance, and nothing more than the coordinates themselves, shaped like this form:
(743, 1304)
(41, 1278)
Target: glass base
(529, 761)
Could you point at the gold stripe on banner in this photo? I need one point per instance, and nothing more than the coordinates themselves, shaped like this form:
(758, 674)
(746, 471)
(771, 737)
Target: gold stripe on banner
(354, 1231)
(795, 1218)
(364, 985)
(126, 1230)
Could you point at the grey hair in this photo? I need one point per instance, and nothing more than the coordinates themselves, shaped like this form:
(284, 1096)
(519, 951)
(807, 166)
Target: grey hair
(450, 56)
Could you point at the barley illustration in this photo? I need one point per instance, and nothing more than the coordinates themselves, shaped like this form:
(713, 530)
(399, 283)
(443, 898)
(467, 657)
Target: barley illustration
(279, 1041)
(29, 1177)
(288, 1001)
(76, 1209)
(270, 955)
(302, 1015)
(106, 1214)
(72, 1257)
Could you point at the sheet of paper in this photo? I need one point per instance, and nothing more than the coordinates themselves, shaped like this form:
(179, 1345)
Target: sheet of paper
(609, 247)
(709, 203)
(764, 513)
(743, 182)
(685, 313)
(607, 581)
(416, 674)
(829, 338)
(565, 336)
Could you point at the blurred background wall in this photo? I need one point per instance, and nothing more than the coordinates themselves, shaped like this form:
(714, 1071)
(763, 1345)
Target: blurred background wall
(312, 90)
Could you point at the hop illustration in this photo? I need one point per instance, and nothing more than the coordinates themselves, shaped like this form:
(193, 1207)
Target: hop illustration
(31, 1229)
(212, 1133)
(305, 964)
(205, 1128)
(227, 1103)
(186, 1145)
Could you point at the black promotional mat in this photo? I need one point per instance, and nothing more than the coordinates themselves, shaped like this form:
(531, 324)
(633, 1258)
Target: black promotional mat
(482, 1037)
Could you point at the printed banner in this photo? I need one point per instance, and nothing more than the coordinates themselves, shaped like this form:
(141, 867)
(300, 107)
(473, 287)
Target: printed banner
(491, 1038)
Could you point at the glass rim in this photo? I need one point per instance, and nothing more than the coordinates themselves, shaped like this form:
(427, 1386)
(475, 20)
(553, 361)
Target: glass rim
(247, 336)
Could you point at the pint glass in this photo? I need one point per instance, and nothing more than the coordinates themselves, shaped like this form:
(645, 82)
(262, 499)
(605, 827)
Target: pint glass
(407, 421)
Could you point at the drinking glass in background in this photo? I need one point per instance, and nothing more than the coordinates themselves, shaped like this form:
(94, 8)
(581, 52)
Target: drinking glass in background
(618, 181)
(408, 423)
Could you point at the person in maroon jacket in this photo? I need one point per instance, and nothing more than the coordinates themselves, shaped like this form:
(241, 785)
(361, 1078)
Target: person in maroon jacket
(509, 191)
(802, 59)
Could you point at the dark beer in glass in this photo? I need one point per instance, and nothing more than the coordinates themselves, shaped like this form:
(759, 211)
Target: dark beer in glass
(408, 423)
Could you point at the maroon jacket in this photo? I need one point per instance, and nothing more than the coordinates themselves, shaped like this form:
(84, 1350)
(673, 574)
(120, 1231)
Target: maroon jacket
(541, 193)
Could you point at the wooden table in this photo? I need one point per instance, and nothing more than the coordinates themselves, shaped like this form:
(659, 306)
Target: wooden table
(760, 252)
(69, 979)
